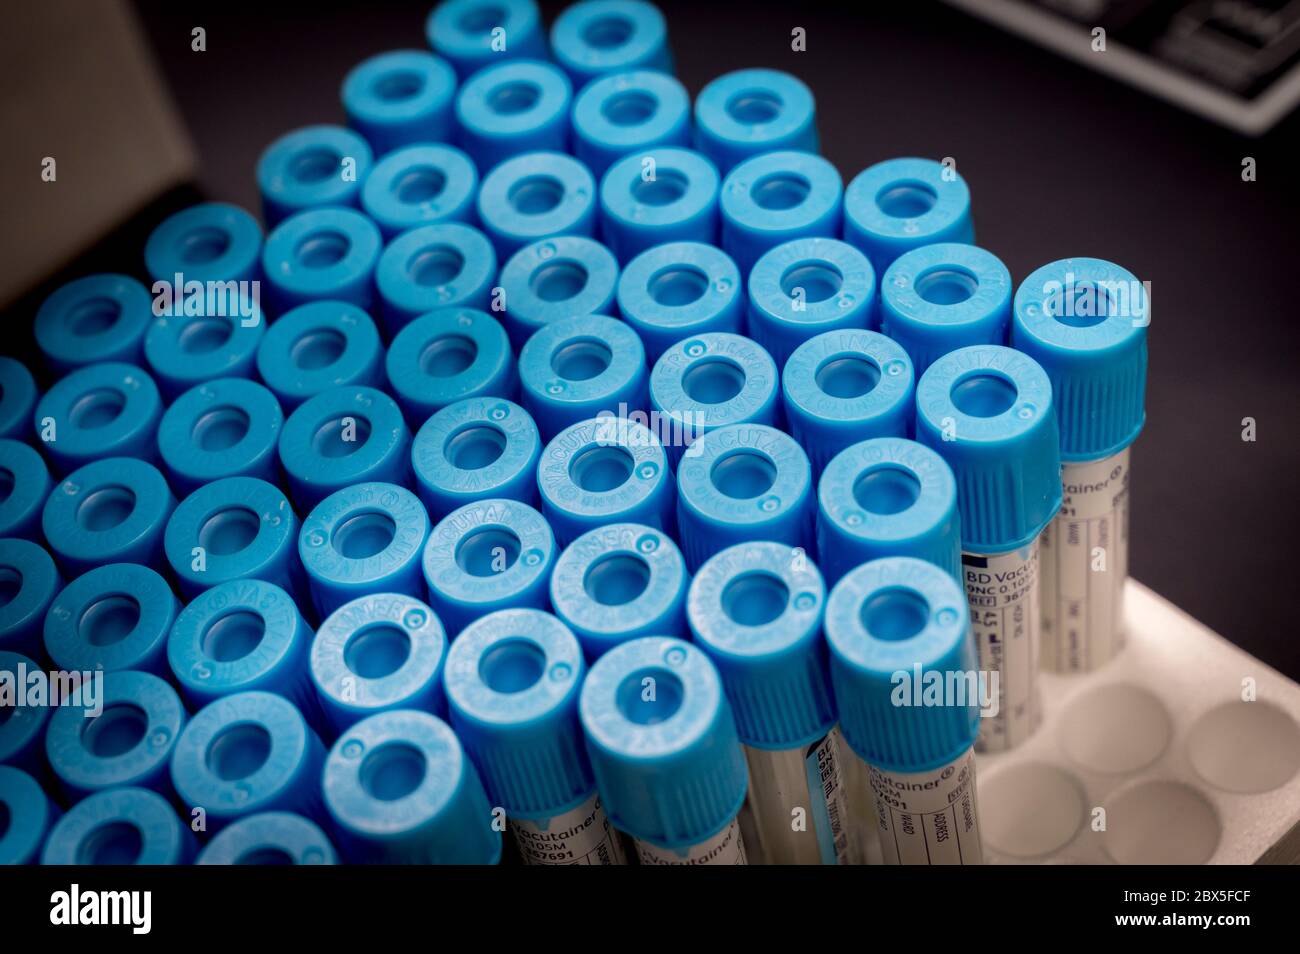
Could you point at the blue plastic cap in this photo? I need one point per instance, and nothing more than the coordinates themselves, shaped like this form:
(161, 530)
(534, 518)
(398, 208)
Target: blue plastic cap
(17, 400)
(115, 617)
(318, 346)
(674, 291)
(96, 411)
(271, 838)
(128, 742)
(92, 319)
(210, 242)
(554, 279)
(631, 111)
(618, 583)
(901, 204)
(420, 185)
(938, 298)
(644, 205)
(776, 197)
(29, 814)
(446, 356)
(1085, 321)
(512, 687)
(435, 266)
(23, 471)
(988, 411)
(887, 497)
(463, 31)
(662, 742)
(536, 196)
(112, 511)
(22, 734)
(756, 610)
(120, 826)
(400, 790)
(805, 287)
(487, 556)
(890, 623)
(513, 107)
(312, 167)
(240, 636)
(30, 582)
(246, 753)
(400, 97)
(321, 253)
(843, 386)
(601, 471)
(479, 447)
(608, 36)
(229, 427)
(743, 482)
(186, 350)
(367, 538)
(748, 112)
(377, 653)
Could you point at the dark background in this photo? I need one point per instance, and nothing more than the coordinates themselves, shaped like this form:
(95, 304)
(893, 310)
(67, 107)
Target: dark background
(1061, 162)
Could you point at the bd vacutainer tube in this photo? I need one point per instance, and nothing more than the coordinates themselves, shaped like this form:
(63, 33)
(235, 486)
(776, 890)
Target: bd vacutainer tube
(664, 750)
(903, 667)
(756, 611)
(512, 683)
(989, 412)
(1085, 321)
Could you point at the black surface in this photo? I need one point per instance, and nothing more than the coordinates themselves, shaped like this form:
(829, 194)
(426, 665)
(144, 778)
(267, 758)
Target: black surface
(1060, 161)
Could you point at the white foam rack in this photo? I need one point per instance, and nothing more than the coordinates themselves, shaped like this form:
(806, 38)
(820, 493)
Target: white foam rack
(1182, 750)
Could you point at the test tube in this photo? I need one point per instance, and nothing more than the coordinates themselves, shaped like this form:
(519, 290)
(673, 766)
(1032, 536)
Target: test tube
(896, 627)
(989, 412)
(1085, 321)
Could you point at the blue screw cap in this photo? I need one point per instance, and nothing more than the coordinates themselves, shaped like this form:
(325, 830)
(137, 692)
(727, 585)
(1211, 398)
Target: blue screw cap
(553, 279)
(1085, 321)
(897, 616)
(446, 356)
(363, 539)
(512, 687)
(756, 611)
(620, 582)
(749, 112)
(341, 437)
(112, 511)
(244, 528)
(673, 200)
(401, 790)
(93, 319)
(901, 204)
(318, 346)
(377, 653)
(476, 448)
(209, 242)
(129, 742)
(399, 98)
(989, 412)
(29, 813)
(23, 472)
(229, 427)
(608, 36)
(424, 184)
(96, 411)
(625, 112)
(538, 195)
(310, 168)
(601, 471)
(806, 287)
(22, 734)
(17, 400)
(462, 31)
(240, 636)
(513, 107)
(776, 197)
(662, 741)
(435, 266)
(247, 753)
(486, 556)
(270, 838)
(321, 253)
(120, 826)
(31, 581)
(887, 497)
(112, 618)
(184, 351)
(743, 482)
(674, 291)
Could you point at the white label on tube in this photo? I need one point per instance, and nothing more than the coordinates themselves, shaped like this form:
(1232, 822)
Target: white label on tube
(1002, 590)
(1084, 565)
(580, 836)
(831, 815)
(724, 848)
(928, 818)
